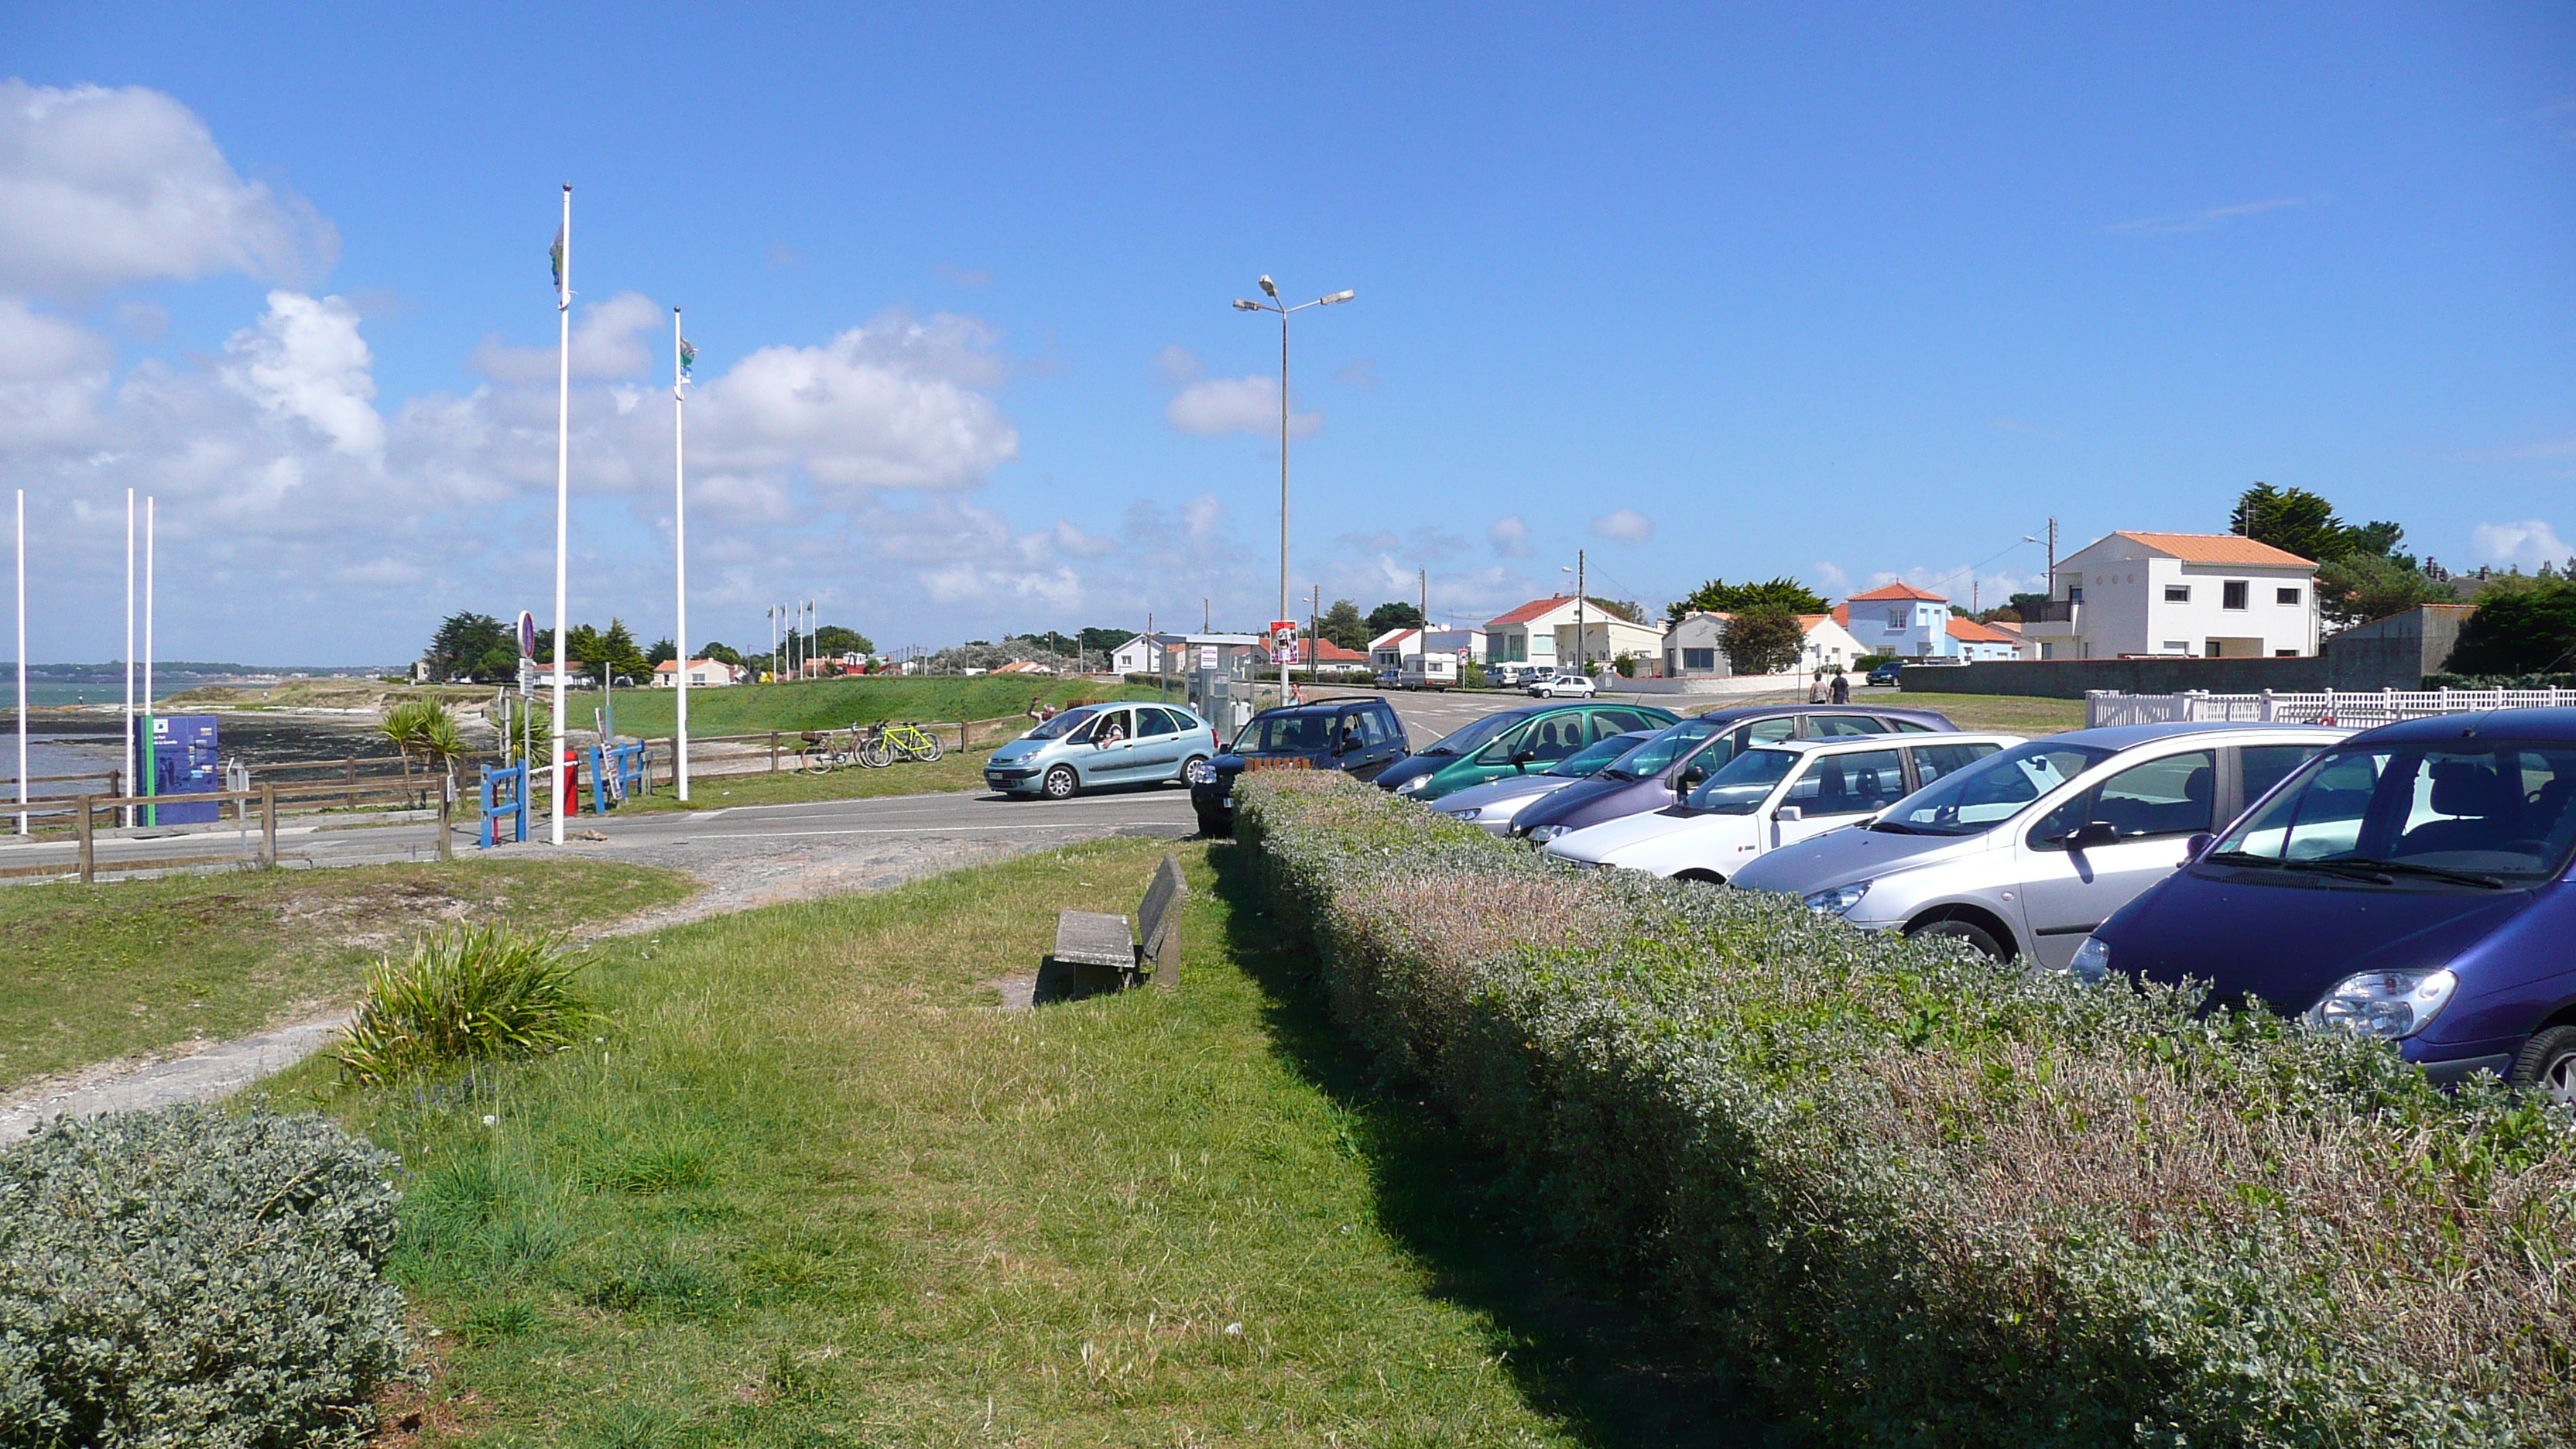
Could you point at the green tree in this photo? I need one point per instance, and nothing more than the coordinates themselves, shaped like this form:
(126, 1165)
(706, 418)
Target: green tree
(1103, 641)
(833, 639)
(464, 645)
(720, 653)
(619, 654)
(1343, 625)
(2360, 587)
(1782, 594)
(2292, 519)
(2519, 631)
(663, 651)
(1628, 609)
(1394, 614)
(1763, 640)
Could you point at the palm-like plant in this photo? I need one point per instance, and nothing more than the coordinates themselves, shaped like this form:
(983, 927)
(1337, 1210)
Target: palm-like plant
(407, 725)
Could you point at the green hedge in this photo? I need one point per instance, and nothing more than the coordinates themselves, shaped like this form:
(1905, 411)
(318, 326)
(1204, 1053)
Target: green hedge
(1926, 1202)
(184, 1277)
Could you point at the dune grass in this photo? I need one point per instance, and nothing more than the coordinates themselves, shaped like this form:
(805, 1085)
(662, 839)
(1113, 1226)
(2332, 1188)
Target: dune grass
(811, 1188)
(838, 703)
(95, 972)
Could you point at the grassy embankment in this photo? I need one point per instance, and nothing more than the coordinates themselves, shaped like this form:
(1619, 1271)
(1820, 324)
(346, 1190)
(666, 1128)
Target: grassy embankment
(812, 1189)
(95, 972)
(2009, 713)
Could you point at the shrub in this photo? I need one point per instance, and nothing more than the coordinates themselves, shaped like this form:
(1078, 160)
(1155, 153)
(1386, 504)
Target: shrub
(479, 994)
(187, 1277)
(2531, 631)
(1928, 1202)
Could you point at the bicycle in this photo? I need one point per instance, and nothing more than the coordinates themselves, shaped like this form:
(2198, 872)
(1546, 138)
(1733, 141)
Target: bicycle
(909, 741)
(820, 756)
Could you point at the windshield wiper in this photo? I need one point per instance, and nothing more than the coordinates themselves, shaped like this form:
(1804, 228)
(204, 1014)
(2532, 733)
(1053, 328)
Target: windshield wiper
(1892, 827)
(2243, 857)
(2409, 867)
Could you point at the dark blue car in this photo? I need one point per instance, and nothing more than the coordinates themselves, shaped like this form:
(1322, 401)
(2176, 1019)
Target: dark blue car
(2410, 884)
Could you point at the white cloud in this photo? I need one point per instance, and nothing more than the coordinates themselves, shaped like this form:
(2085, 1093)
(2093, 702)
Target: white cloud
(306, 360)
(1510, 536)
(53, 374)
(1176, 363)
(1623, 525)
(1236, 405)
(100, 187)
(2529, 543)
(888, 405)
(1203, 516)
(609, 339)
(2203, 220)
(1830, 577)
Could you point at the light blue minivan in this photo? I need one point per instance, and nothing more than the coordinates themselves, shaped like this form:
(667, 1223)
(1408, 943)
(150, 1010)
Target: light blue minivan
(1103, 744)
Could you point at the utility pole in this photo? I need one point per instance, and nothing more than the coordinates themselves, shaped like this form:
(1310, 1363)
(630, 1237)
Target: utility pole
(1204, 616)
(1582, 633)
(2052, 558)
(1314, 621)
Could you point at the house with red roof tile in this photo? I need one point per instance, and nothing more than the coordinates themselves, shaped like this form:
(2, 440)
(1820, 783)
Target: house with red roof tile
(2192, 595)
(1898, 619)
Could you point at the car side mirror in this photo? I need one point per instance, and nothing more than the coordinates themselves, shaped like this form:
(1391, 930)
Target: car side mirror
(2090, 835)
(1691, 779)
(1789, 814)
(1523, 758)
(2198, 846)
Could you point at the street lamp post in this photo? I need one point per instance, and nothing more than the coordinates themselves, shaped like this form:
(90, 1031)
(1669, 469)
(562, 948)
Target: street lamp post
(1271, 291)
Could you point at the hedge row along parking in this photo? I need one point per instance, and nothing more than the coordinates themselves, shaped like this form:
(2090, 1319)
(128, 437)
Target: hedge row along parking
(1922, 1197)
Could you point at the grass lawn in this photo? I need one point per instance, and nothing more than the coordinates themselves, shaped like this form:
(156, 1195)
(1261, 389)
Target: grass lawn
(837, 703)
(812, 1189)
(2010, 713)
(952, 771)
(94, 972)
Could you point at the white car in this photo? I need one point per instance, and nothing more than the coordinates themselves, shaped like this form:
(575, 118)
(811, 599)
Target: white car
(1562, 686)
(1774, 795)
(2023, 855)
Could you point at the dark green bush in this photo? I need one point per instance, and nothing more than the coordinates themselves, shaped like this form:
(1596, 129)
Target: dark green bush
(2500, 681)
(185, 1277)
(2531, 631)
(467, 995)
(1927, 1202)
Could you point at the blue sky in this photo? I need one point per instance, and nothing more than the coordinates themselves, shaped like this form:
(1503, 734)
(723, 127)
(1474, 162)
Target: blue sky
(1851, 293)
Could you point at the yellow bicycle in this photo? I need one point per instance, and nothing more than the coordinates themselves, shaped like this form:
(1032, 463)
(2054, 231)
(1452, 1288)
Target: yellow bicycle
(887, 744)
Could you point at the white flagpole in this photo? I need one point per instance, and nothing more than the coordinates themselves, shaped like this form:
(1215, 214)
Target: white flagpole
(563, 498)
(127, 781)
(22, 661)
(680, 546)
(151, 756)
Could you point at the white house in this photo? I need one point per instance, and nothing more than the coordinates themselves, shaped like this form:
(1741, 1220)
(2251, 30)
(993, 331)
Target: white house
(703, 674)
(1387, 651)
(1605, 637)
(1898, 619)
(2196, 595)
(1527, 635)
(1829, 645)
(1136, 656)
(1973, 641)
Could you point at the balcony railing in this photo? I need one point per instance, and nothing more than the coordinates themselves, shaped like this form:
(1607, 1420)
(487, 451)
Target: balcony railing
(2055, 611)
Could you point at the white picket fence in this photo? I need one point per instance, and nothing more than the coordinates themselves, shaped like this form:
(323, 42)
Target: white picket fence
(2359, 709)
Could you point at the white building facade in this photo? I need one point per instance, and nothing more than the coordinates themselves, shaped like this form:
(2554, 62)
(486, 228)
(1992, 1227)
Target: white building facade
(2191, 595)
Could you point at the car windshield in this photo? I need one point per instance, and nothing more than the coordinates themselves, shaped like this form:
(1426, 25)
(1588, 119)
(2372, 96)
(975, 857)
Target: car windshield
(1063, 724)
(1589, 760)
(1651, 758)
(2481, 814)
(1474, 736)
(1741, 787)
(1991, 791)
(1291, 731)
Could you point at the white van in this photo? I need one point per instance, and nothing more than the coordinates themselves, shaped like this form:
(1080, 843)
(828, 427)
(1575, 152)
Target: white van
(1428, 671)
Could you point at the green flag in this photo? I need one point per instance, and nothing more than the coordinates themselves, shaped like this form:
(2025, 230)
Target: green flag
(688, 358)
(555, 255)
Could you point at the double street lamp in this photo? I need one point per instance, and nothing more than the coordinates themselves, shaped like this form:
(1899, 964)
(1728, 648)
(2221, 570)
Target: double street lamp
(1271, 291)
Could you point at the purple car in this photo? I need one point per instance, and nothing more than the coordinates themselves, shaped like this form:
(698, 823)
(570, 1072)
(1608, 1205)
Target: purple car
(1676, 761)
(2411, 884)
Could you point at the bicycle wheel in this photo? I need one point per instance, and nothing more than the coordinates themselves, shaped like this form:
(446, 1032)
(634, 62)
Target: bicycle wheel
(816, 761)
(875, 755)
(928, 751)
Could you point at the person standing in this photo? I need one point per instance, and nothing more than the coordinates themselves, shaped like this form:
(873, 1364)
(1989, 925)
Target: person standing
(1842, 689)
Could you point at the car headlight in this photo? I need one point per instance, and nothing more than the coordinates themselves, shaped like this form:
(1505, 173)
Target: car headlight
(1201, 772)
(2385, 1005)
(1839, 900)
(1470, 813)
(1546, 833)
(1412, 785)
(2092, 961)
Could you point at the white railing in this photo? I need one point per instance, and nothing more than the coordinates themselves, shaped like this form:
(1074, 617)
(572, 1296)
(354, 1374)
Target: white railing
(2358, 709)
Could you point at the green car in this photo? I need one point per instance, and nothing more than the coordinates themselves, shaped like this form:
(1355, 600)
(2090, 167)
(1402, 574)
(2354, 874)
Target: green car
(1514, 741)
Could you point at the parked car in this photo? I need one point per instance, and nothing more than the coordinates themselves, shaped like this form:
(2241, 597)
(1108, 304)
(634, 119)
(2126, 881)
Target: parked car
(1358, 735)
(1493, 805)
(2024, 853)
(1772, 796)
(1102, 744)
(1884, 676)
(2411, 884)
(1560, 683)
(1509, 676)
(1513, 742)
(1696, 748)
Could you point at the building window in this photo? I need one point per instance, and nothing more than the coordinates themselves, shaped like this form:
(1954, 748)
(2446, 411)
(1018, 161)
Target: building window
(2285, 653)
(2177, 593)
(2231, 594)
(2177, 646)
(2287, 598)
(1699, 659)
(1896, 618)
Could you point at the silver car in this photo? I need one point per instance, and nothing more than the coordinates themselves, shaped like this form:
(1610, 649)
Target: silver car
(2023, 853)
(1102, 744)
(1493, 805)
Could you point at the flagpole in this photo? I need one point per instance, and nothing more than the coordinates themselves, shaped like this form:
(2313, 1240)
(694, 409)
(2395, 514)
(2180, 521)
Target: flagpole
(563, 497)
(151, 781)
(126, 813)
(680, 539)
(22, 661)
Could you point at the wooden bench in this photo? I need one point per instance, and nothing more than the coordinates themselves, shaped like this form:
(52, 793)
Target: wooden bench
(1095, 951)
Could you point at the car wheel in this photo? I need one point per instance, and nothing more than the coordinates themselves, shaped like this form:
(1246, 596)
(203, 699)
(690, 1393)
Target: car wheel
(1215, 827)
(1061, 783)
(2548, 1065)
(1190, 768)
(1704, 877)
(1979, 939)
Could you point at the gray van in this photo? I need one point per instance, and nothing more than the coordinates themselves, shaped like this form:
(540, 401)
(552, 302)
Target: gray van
(1102, 744)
